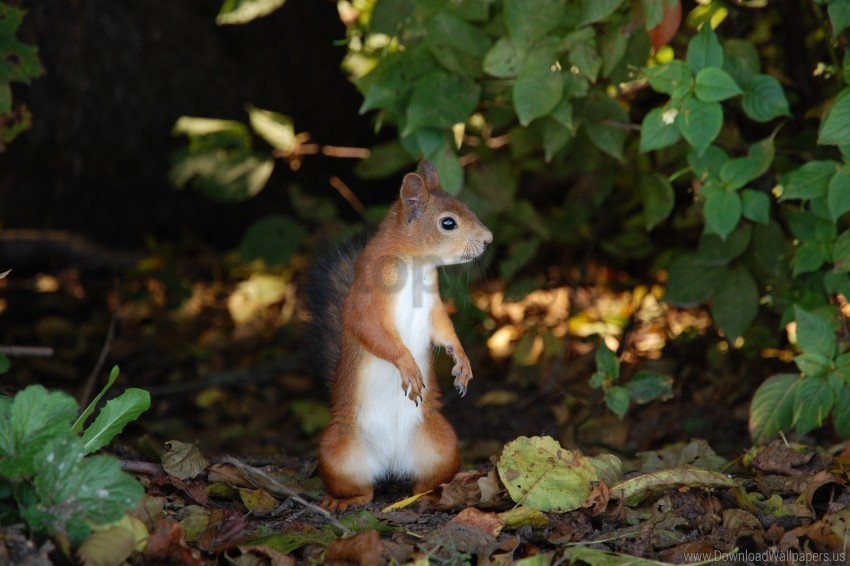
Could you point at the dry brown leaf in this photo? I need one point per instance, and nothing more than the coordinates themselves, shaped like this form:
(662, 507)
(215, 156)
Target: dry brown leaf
(275, 557)
(462, 491)
(258, 500)
(226, 528)
(183, 460)
(488, 522)
(493, 492)
(225, 473)
(779, 458)
(366, 549)
(598, 498)
(167, 545)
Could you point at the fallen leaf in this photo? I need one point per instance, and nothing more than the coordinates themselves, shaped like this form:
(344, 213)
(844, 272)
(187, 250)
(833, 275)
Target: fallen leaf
(815, 482)
(596, 557)
(258, 500)
(462, 538)
(183, 460)
(633, 490)
(738, 519)
(225, 473)
(226, 528)
(488, 522)
(539, 473)
(364, 548)
(685, 552)
(521, 515)
(462, 491)
(697, 453)
(404, 502)
(497, 398)
(194, 520)
(275, 558)
(597, 501)
(569, 527)
(167, 545)
(113, 544)
(493, 491)
(780, 458)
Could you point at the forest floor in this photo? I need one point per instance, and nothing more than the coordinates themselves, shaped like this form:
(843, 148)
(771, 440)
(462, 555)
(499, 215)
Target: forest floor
(220, 357)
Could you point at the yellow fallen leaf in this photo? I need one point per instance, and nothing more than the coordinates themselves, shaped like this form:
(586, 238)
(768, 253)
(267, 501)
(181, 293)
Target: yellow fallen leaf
(404, 502)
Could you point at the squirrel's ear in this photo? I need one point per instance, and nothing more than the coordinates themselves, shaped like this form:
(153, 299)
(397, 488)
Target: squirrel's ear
(429, 173)
(414, 194)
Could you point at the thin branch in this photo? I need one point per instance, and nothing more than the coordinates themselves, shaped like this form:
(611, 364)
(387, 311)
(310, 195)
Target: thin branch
(252, 474)
(346, 193)
(27, 351)
(107, 344)
(141, 468)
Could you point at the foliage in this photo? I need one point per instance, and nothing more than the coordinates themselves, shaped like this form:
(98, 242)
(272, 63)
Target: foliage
(19, 63)
(48, 477)
(556, 89)
(644, 386)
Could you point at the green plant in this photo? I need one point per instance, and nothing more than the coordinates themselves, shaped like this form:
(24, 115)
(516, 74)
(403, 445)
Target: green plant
(19, 63)
(48, 477)
(755, 193)
(643, 387)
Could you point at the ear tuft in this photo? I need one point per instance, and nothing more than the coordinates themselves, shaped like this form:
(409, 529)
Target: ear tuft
(414, 194)
(429, 173)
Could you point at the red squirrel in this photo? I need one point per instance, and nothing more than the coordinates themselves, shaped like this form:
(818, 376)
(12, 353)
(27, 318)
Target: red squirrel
(376, 313)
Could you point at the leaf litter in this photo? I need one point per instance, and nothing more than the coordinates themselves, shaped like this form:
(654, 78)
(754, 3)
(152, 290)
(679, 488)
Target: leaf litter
(537, 504)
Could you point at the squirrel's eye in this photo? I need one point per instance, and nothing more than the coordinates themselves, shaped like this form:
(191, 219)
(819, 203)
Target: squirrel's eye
(448, 223)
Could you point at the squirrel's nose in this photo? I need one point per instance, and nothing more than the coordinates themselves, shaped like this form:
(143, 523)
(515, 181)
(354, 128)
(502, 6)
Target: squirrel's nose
(487, 237)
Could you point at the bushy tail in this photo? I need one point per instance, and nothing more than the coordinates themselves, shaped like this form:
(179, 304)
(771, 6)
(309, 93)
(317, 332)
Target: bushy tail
(323, 293)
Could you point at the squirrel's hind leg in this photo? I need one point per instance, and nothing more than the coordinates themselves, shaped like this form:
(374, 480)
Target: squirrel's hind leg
(344, 470)
(435, 453)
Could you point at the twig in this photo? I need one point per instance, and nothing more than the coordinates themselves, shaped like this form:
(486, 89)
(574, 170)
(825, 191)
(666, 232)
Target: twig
(27, 351)
(347, 193)
(107, 344)
(250, 473)
(141, 468)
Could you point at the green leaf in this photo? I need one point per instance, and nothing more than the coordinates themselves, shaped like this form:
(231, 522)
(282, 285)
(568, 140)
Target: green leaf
(273, 239)
(504, 60)
(389, 85)
(839, 15)
(4, 363)
(81, 420)
(613, 46)
(583, 53)
(707, 164)
(114, 416)
(764, 99)
(441, 100)
(841, 414)
(772, 407)
(555, 137)
(519, 254)
(458, 45)
(537, 91)
(388, 17)
(813, 399)
(814, 334)
(722, 212)
(841, 252)
(833, 128)
(607, 363)
(713, 84)
(538, 473)
(741, 60)
(602, 116)
(646, 386)
(735, 302)
(658, 199)
(244, 11)
(35, 417)
(838, 195)
(691, 281)
(700, 122)
(807, 258)
(668, 77)
(755, 206)
(653, 12)
(704, 50)
(449, 169)
(635, 489)
(715, 251)
(810, 181)
(617, 400)
(811, 363)
(529, 20)
(384, 160)
(659, 129)
(275, 128)
(597, 10)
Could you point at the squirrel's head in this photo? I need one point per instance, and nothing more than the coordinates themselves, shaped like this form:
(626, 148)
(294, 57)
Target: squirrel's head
(438, 225)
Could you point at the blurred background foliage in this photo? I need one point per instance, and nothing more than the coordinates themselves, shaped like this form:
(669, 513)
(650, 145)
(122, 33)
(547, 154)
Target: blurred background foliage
(652, 170)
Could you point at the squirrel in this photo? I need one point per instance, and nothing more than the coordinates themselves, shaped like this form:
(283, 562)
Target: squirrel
(374, 310)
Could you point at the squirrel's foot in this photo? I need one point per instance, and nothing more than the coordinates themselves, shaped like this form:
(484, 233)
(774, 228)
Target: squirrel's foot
(462, 373)
(340, 504)
(412, 382)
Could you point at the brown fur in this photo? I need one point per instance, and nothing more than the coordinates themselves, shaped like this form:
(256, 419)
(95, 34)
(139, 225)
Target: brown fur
(411, 231)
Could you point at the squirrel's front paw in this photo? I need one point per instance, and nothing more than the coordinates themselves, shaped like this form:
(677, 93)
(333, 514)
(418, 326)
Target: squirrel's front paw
(412, 382)
(462, 373)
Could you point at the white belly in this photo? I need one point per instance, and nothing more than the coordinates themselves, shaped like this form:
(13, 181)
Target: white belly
(387, 419)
